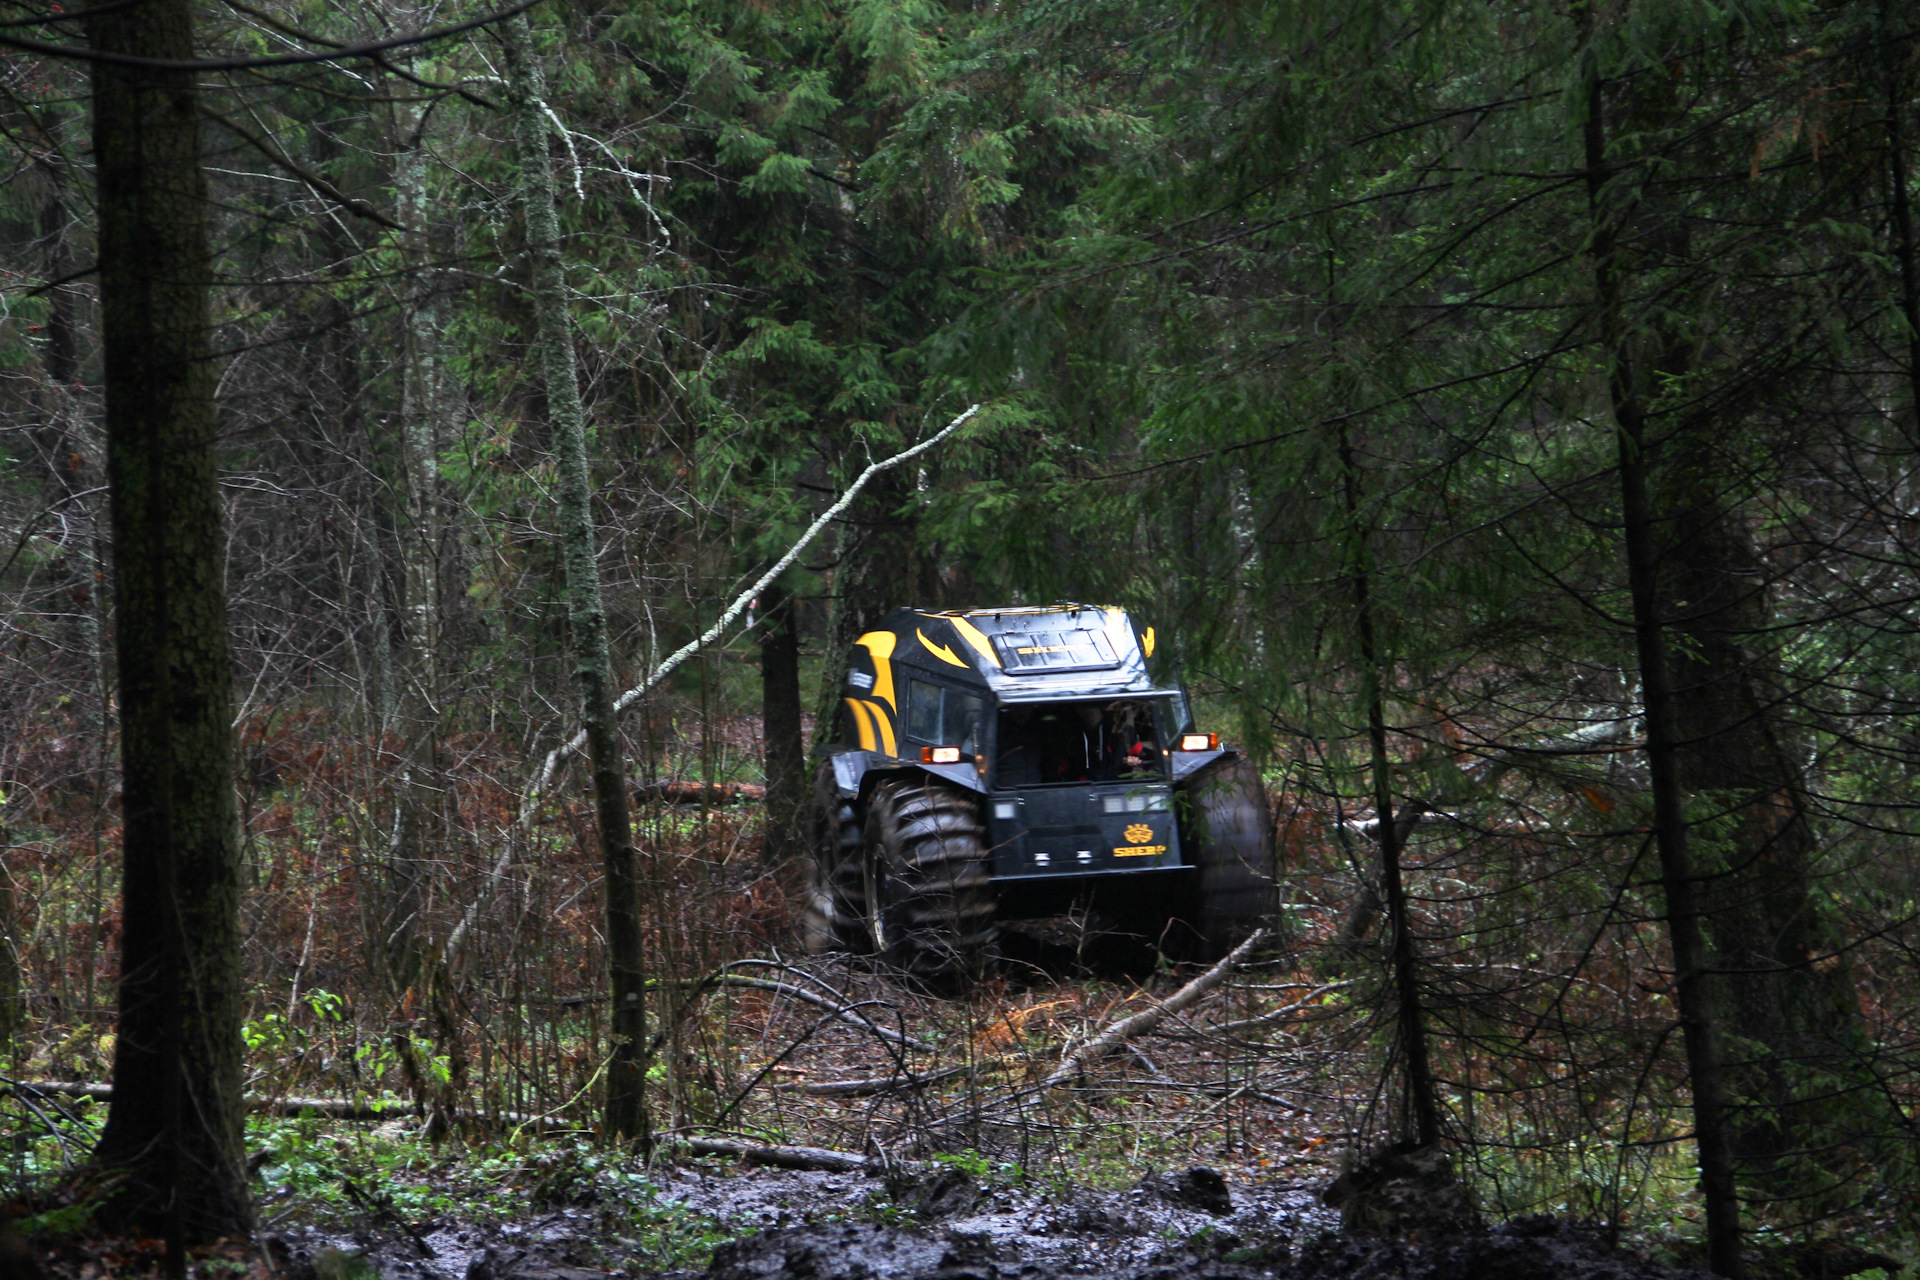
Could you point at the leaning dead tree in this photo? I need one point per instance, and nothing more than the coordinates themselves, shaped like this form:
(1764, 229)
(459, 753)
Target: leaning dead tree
(543, 777)
(530, 801)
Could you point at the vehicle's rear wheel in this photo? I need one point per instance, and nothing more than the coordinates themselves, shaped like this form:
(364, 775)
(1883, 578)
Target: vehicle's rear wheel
(835, 918)
(930, 903)
(1226, 830)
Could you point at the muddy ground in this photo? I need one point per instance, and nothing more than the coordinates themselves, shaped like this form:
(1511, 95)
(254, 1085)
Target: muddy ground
(944, 1225)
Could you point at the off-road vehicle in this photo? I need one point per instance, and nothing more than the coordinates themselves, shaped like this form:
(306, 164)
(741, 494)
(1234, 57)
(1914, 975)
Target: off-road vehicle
(1019, 762)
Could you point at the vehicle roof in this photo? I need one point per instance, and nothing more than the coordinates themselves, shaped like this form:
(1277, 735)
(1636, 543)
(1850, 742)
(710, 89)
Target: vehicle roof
(1022, 653)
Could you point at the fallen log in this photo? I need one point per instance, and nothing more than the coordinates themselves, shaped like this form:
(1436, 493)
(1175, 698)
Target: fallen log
(816, 1158)
(1117, 1035)
(271, 1105)
(685, 793)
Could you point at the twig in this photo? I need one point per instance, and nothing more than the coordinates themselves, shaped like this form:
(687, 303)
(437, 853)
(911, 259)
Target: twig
(846, 1013)
(1117, 1035)
(1212, 1090)
(1273, 1016)
(1135, 1052)
(319, 184)
(59, 1134)
(768, 1069)
(381, 1206)
(874, 1085)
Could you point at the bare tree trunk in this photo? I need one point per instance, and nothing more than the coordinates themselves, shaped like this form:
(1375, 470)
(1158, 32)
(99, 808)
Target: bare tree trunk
(786, 762)
(1804, 1084)
(414, 506)
(174, 1132)
(592, 668)
(1705, 1074)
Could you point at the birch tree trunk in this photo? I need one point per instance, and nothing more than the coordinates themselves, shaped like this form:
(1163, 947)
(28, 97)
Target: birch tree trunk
(592, 668)
(413, 578)
(175, 1127)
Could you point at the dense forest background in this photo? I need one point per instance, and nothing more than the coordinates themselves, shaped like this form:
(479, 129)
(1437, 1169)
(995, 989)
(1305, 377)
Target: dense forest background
(1506, 412)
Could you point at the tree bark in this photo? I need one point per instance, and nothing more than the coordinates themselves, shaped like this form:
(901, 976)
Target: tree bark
(1800, 1075)
(1705, 1074)
(1803, 1104)
(174, 1132)
(786, 762)
(413, 578)
(626, 1114)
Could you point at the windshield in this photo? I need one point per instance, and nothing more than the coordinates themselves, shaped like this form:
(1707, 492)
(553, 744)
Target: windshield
(1093, 741)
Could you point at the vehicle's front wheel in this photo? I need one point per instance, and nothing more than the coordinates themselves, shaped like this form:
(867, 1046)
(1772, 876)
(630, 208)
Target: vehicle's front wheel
(1227, 832)
(929, 895)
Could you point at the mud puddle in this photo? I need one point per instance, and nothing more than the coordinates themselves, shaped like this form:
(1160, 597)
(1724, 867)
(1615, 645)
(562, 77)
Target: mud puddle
(942, 1224)
(1069, 1231)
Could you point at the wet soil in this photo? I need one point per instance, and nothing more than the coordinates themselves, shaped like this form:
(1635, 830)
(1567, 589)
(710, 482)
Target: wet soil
(944, 1225)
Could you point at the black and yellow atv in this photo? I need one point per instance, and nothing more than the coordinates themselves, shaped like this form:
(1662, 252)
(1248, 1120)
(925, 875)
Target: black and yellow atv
(1006, 763)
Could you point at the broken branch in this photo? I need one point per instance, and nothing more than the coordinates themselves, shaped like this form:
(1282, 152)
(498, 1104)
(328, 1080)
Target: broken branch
(1117, 1035)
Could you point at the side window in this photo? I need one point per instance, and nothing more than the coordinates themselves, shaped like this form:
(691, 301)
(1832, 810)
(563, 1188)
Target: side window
(943, 717)
(923, 711)
(962, 722)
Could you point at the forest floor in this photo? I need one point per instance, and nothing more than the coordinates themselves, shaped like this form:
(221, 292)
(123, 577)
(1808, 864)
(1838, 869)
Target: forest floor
(821, 1226)
(958, 1148)
(811, 1225)
(1198, 1148)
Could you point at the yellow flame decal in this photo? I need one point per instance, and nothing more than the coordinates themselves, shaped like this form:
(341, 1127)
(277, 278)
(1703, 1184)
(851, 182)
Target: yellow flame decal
(939, 651)
(861, 724)
(971, 634)
(880, 645)
(1146, 642)
(884, 723)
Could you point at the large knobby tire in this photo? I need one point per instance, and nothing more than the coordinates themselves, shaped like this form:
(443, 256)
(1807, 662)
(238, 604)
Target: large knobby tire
(930, 901)
(835, 917)
(1227, 834)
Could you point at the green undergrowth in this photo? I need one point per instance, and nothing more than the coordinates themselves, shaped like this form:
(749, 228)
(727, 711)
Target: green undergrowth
(310, 1171)
(1652, 1200)
(323, 1173)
